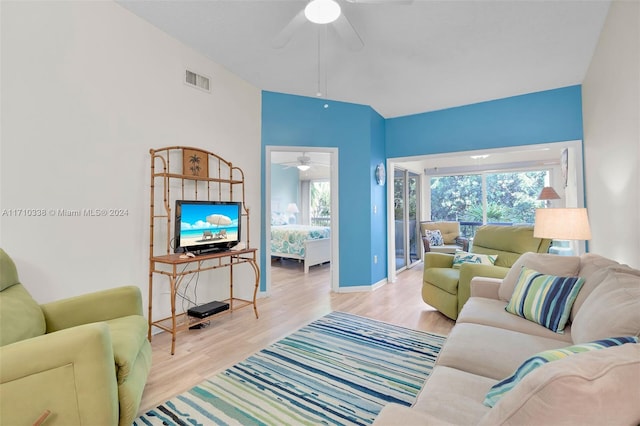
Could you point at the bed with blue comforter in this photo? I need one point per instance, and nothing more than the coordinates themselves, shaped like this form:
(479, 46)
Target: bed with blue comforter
(303, 242)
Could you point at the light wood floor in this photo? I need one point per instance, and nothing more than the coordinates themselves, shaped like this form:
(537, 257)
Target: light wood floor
(296, 299)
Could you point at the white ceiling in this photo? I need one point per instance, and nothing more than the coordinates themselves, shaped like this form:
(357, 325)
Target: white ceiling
(417, 57)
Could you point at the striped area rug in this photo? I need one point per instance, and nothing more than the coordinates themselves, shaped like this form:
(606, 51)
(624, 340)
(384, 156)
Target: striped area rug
(339, 370)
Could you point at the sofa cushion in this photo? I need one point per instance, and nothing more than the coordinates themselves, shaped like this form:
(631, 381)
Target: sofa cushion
(500, 389)
(546, 263)
(593, 269)
(591, 263)
(508, 242)
(8, 271)
(591, 388)
(544, 299)
(612, 308)
(20, 316)
(453, 395)
(443, 278)
(491, 312)
(128, 335)
(395, 414)
(446, 248)
(461, 257)
(489, 351)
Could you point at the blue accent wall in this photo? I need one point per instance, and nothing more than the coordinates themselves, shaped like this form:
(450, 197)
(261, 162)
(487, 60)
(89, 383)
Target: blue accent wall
(378, 246)
(358, 133)
(541, 117)
(365, 139)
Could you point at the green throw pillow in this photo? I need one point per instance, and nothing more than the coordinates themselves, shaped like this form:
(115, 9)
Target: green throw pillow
(544, 299)
(464, 257)
(498, 390)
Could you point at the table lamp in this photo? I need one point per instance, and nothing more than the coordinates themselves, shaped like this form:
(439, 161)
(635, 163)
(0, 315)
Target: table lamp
(547, 194)
(562, 224)
(292, 209)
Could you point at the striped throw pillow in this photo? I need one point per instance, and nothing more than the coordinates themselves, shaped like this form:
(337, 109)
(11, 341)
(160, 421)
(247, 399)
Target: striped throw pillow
(498, 390)
(544, 299)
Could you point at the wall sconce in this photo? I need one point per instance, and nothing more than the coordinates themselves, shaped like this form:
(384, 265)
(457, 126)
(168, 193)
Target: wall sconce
(380, 174)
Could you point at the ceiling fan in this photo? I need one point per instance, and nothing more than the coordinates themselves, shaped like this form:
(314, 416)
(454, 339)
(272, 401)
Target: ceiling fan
(325, 12)
(304, 163)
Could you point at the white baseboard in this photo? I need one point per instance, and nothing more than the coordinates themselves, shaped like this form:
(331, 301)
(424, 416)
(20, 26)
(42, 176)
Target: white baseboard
(361, 288)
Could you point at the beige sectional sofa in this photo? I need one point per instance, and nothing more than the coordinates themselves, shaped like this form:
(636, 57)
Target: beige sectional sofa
(488, 344)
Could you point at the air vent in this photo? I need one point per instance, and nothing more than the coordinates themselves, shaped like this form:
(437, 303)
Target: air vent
(196, 80)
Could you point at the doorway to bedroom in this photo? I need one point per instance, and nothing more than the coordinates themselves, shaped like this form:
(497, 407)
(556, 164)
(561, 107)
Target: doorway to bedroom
(301, 215)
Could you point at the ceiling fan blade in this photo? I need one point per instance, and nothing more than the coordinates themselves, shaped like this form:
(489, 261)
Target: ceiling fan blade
(348, 33)
(284, 36)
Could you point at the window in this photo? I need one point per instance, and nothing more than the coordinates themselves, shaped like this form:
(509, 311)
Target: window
(320, 202)
(475, 199)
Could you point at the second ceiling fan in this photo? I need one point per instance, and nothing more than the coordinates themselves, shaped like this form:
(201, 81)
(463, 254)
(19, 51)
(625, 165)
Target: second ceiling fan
(304, 162)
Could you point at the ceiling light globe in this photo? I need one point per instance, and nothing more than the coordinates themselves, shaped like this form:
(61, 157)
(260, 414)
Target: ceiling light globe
(322, 11)
(303, 167)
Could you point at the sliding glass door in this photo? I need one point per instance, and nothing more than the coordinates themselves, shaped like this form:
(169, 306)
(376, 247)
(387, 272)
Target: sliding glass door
(405, 193)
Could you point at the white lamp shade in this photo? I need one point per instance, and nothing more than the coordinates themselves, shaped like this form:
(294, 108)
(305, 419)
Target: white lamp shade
(292, 208)
(562, 224)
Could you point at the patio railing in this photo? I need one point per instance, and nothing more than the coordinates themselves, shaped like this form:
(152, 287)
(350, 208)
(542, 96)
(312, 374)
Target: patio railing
(321, 221)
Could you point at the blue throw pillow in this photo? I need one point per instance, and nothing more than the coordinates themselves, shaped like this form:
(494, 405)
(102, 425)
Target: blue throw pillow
(498, 390)
(434, 237)
(544, 299)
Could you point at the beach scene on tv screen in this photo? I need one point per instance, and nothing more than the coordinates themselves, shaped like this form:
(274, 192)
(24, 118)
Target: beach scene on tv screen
(206, 224)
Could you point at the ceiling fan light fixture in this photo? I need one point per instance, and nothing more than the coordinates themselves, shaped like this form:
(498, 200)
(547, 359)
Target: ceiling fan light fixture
(322, 11)
(303, 167)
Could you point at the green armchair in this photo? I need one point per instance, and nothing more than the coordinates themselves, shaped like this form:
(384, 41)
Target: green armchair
(82, 360)
(447, 289)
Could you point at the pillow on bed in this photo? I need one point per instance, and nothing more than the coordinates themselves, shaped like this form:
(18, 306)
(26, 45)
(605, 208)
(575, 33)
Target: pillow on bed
(278, 218)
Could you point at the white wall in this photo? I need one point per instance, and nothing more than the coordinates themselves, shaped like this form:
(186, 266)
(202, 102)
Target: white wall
(87, 89)
(611, 114)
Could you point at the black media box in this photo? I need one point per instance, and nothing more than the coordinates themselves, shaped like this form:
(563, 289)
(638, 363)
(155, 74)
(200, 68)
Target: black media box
(207, 309)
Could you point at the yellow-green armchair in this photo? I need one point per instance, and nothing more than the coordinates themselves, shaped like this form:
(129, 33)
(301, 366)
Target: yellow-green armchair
(447, 288)
(83, 360)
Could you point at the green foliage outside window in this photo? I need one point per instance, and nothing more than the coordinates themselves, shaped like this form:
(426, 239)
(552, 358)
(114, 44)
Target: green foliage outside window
(320, 196)
(398, 190)
(511, 197)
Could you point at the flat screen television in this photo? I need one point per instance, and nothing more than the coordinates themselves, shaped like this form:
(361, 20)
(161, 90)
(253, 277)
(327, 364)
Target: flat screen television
(206, 226)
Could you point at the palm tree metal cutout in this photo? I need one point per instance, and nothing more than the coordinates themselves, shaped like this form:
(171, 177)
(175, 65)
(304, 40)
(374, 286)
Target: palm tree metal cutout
(194, 160)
